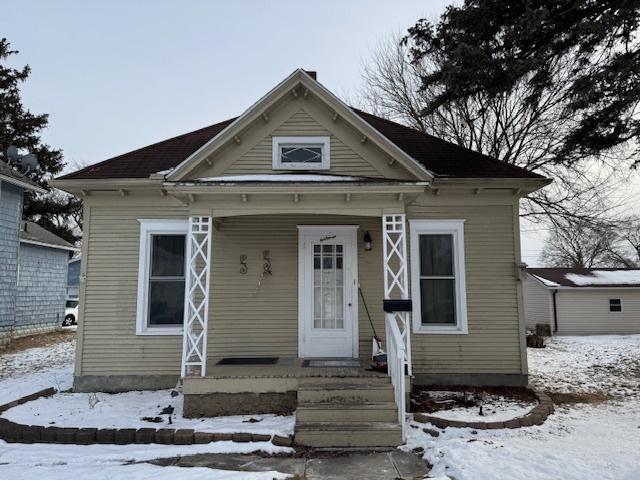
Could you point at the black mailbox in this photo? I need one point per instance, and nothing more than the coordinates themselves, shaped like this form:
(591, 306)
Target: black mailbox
(390, 306)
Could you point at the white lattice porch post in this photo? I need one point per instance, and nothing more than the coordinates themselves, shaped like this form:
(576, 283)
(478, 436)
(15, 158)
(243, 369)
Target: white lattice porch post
(196, 295)
(396, 283)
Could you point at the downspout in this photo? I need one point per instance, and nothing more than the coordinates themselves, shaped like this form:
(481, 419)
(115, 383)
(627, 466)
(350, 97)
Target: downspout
(555, 312)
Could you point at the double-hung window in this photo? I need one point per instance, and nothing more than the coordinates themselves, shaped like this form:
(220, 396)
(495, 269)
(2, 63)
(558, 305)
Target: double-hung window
(438, 276)
(161, 277)
(615, 305)
(301, 153)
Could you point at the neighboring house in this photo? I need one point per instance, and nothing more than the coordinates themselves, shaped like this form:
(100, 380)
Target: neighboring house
(42, 280)
(73, 279)
(30, 264)
(245, 243)
(583, 301)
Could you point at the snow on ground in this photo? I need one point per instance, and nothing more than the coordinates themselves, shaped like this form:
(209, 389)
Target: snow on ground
(578, 442)
(34, 369)
(27, 371)
(126, 410)
(107, 462)
(607, 364)
(495, 408)
(586, 442)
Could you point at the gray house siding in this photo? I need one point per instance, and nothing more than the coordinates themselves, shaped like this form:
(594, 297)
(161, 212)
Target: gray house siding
(73, 279)
(42, 289)
(10, 215)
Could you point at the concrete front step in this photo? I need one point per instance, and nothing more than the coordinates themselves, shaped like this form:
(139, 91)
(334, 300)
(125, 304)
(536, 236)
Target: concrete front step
(374, 434)
(314, 382)
(345, 393)
(346, 412)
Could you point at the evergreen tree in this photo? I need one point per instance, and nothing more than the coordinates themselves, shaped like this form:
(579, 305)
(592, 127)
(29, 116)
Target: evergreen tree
(492, 46)
(22, 129)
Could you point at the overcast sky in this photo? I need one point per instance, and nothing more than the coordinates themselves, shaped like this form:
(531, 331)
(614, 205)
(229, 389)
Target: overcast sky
(118, 75)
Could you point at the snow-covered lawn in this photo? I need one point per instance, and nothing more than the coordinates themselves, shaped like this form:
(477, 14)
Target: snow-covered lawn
(608, 364)
(109, 462)
(33, 369)
(126, 410)
(587, 441)
(495, 408)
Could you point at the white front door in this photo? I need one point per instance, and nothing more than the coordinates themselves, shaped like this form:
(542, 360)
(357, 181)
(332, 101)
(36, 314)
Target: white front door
(328, 291)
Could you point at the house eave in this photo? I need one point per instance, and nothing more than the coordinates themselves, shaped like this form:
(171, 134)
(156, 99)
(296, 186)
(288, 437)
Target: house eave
(49, 245)
(294, 187)
(521, 186)
(83, 186)
(22, 184)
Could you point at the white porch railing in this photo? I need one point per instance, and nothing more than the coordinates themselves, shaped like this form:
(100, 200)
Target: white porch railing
(397, 323)
(196, 297)
(396, 367)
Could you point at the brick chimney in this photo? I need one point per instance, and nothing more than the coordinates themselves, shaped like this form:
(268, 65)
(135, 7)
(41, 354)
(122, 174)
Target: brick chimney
(312, 74)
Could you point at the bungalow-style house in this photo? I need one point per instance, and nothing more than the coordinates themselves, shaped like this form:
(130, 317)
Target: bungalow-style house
(33, 265)
(583, 301)
(242, 258)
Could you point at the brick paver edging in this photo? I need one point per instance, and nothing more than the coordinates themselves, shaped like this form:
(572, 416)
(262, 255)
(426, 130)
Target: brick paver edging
(19, 433)
(536, 416)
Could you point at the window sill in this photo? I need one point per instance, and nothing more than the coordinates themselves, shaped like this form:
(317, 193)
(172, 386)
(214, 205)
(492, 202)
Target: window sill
(440, 331)
(160, 331)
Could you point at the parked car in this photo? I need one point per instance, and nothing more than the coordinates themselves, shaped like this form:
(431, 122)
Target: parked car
(70, 313)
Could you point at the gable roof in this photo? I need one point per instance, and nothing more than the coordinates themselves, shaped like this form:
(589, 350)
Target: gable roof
(422, 153)
(10, 175)
(31, 232)
(587, 277)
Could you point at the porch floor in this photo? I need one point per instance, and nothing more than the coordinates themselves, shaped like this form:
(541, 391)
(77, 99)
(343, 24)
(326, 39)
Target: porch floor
(287, 367)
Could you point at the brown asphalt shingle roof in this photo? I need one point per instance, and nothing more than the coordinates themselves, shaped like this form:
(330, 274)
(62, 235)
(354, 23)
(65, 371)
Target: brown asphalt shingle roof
(442, 158)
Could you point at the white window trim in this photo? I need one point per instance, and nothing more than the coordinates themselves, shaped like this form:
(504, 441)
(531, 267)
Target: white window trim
(434, 227)
(621, 306)
(150, 227)
(324, 142)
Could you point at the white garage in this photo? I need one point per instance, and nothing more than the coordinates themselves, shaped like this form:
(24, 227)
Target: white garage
(583, 301)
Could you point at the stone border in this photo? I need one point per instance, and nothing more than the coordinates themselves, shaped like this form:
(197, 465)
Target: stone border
(536, 416)
(12, 432)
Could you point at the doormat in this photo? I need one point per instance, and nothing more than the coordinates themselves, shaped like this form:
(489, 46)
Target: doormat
(248, 361)
(346, 363)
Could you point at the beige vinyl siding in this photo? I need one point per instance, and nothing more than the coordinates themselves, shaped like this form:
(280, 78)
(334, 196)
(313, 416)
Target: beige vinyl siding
(538, 303)
(493, 343)
(110, 344)
(586, 312)
(247, 321)
(343, 159)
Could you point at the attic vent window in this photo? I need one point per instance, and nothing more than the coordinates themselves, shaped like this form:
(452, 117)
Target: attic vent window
(301, 153)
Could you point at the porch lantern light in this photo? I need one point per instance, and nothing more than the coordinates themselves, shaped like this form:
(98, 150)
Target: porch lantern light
(367, 241)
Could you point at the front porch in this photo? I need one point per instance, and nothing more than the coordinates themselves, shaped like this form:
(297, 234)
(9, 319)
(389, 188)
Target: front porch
(292, 286)
(302, 303)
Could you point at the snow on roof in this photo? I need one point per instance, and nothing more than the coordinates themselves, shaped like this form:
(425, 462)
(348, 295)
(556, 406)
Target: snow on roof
(557, 277)
(545, 282)
(606, 277)
(282, 177)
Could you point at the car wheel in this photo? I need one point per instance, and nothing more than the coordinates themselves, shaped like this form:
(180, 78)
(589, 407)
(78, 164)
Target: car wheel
(69, 320)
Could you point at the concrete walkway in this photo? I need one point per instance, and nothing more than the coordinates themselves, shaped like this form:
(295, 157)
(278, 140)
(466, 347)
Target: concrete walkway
(393, 465)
